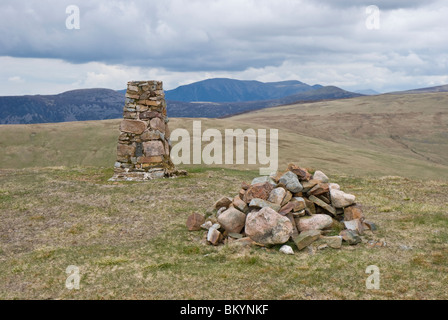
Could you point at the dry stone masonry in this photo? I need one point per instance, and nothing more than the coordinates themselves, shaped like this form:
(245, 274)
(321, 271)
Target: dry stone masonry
(143, 151)
(293, 206)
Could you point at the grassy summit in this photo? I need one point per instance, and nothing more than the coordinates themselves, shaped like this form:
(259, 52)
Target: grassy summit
(130, 241)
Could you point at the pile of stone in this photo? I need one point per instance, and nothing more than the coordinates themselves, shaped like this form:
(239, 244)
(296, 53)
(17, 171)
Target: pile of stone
(143, 151)
(291, 206)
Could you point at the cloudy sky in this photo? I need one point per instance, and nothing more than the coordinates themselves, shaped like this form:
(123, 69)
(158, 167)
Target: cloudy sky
(181, 41)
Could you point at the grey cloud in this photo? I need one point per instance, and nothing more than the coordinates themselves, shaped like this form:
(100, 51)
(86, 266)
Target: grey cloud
(382, 4)
(203, 35)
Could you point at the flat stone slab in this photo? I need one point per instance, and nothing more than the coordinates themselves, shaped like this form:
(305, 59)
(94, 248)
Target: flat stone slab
(306, 238)
(322, 204)
(146, 176)
(133, 126)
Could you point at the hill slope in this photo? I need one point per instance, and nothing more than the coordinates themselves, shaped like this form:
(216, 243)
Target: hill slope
(383, 135)
(409, 125)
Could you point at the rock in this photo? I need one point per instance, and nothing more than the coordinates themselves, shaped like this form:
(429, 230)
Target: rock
(319, 175)
(319, 189)
(276, 177)
(149, 103)
(263, 180)
(286, 250)
(286, 209)
(299, 214)
(293, 206)
(147, 160)
(334, 186)
(146, 115)
(243, 242)
(277, 195)
(324, 199)
(301, 203)
(223, 202)
(315, 222)
(213, 235)
(377, 243)
(125, 151)
(295, 232)
(258, 191)
(235, 235)
(306, 238)
(301, 173)
(221, 210)
(259, 203)
(232, 220)
(157, 124)
(322, 204)
(133, 126)
(133, 88)
(355, 225)
(129, 115)
(287, 198)
(239, 204)
(353, 212)
(308, 185)
(244, 185)
(152, 135)
(370, 225)
(195, 221)
(291, 181)
(207, 225)
(268, 227)
(333, 242)
(132, 96)
(340, 199)
(310, 207)
(350, 237)
(153, 148)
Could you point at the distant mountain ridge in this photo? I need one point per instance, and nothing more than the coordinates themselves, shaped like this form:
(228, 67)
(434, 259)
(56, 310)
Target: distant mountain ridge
(367, 92)
(76, 105)
(231, 90)
(101, 104)
(217, 110)
(443, 88)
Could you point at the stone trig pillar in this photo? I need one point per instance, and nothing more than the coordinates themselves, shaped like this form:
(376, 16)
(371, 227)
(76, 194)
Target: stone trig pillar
(143, 151)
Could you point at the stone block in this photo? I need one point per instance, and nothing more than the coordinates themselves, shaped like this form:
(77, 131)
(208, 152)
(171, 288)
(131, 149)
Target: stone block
(153, 148)
(133, 126)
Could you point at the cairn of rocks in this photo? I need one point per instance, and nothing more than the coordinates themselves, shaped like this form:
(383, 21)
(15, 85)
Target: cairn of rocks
(291, 206)
(143, 150)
